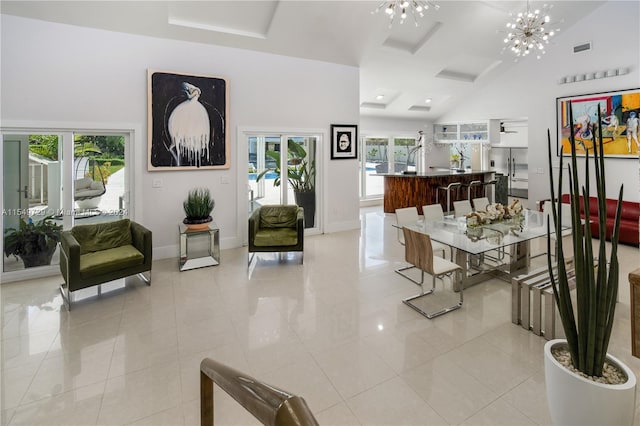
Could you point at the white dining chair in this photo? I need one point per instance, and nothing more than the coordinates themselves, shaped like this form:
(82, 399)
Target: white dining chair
(419, 252)
(431, 213)
(406, 216)
(480, 204)
(461, 208)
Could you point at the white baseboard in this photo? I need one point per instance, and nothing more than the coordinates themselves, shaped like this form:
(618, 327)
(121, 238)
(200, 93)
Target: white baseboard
(371, 202)
(31, 273)
(342, 226)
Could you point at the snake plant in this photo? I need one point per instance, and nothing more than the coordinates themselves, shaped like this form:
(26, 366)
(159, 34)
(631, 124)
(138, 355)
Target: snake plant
(588, 331)
(198, 205)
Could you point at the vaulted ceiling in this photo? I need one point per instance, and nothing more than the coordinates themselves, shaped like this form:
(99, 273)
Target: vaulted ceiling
(453, 51)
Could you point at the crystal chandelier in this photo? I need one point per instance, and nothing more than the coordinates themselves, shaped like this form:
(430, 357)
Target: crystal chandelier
(403, 7)
(528, 34)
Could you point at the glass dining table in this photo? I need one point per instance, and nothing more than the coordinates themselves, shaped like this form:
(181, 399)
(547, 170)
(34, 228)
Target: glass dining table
(485, 251)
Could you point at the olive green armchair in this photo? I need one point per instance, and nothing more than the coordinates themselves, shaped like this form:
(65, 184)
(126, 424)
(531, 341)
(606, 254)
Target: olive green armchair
(276, 228)
(98, 253)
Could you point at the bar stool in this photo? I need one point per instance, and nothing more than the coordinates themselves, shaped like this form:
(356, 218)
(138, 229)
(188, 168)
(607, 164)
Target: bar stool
(452, 186)
(492, 184)
(468, 187)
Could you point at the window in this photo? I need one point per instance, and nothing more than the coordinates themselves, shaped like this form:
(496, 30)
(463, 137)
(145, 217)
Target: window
(383, 155)
(401, 151)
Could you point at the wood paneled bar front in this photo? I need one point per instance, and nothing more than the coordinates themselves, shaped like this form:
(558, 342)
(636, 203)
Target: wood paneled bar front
(402, 190)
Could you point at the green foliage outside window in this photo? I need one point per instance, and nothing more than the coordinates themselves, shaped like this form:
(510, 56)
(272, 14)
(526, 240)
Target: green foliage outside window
(108, 151)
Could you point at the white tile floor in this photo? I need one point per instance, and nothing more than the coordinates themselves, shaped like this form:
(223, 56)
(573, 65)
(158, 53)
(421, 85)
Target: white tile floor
(332, 330)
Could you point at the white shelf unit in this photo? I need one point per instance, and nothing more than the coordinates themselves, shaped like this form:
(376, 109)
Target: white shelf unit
(469, 132)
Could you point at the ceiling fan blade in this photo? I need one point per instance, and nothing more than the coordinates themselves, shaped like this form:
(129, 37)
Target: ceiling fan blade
(503, 130)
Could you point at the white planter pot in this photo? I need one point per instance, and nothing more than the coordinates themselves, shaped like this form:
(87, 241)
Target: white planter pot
(574, 400)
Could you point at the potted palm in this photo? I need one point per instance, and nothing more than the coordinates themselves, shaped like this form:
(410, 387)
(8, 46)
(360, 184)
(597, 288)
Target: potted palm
(301, 175)
(586, 385)
(33, 242)
(197, 208)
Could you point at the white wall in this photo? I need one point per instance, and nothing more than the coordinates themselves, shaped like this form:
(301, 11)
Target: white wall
(530, 89)
(372, 126)
(61, 73)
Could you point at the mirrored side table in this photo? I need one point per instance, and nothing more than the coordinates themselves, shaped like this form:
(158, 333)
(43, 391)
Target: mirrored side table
(209, 256)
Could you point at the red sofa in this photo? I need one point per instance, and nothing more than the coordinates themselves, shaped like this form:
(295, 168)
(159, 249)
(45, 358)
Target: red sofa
(629, 221)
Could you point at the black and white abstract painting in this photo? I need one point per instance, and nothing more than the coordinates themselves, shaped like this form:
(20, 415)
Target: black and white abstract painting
(344, 141)
(187, 117)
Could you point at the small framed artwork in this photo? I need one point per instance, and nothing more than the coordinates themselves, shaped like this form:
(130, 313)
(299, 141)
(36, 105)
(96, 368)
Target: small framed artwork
(619, 123)
(188, 118)
(344, 141)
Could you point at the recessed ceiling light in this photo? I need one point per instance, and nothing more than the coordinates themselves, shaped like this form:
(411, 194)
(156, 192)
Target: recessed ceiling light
(427, 100)
(380, 97)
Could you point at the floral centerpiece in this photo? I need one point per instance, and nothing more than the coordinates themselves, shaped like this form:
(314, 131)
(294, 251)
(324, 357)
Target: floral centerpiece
(496, 213)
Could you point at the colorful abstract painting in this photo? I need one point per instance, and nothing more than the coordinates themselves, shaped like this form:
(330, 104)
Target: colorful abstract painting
(619, 122)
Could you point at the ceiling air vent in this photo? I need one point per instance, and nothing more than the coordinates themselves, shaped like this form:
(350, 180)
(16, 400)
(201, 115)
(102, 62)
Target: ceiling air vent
(584, 47)
(420, 108)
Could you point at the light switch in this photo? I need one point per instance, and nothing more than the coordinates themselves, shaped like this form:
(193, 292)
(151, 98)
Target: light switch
(157, 183)
(224, 179)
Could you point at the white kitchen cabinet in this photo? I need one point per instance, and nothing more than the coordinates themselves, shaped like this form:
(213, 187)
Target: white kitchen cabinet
(487, 131)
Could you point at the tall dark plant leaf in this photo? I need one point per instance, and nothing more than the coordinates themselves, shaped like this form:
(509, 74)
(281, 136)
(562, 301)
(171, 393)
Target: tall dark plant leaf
(199, 204)
(588, 333)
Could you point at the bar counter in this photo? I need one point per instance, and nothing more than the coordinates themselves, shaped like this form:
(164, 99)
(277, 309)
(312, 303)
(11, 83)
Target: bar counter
(408, 190)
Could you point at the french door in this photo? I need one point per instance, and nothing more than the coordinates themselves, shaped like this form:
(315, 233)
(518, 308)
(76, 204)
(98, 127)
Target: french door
(43, 172)
(275, 161)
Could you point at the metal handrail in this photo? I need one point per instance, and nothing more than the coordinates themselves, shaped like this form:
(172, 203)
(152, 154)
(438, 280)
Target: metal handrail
(268, 404)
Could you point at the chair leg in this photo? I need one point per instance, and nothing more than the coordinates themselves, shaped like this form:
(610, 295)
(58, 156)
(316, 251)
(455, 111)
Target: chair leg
(431, 315)
(405, 268)
(66, 295)
(144, 278)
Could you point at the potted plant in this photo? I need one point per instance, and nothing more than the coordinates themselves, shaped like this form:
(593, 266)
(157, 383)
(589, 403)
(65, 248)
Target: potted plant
(586, 385)
(197, 208)
(455, 161)
(301, 175)
(33, 242)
